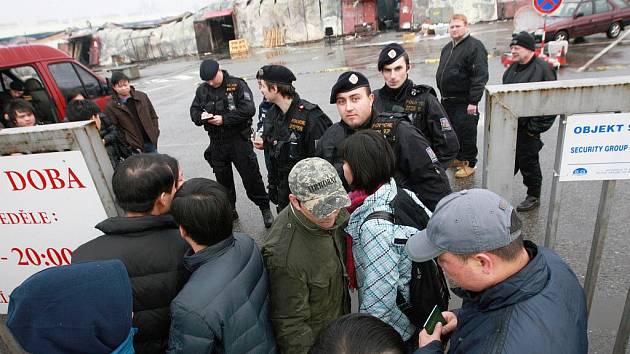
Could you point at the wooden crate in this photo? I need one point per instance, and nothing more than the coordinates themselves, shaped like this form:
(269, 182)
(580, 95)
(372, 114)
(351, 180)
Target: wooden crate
(238, 47)
(409, 37)
(274, 37)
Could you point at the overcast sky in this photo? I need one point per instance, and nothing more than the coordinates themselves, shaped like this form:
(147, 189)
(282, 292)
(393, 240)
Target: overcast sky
(29, 15)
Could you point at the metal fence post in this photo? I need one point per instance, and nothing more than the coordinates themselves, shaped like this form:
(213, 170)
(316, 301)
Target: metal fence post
(599, 237)
(624, 328)
(554, 204)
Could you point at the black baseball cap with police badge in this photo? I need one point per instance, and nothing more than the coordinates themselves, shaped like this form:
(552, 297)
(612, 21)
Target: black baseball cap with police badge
(316, 184)
(348, 81)
(464, 222)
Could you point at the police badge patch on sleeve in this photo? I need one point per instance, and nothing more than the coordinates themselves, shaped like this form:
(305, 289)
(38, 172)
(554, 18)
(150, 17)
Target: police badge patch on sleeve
(431, 154)
(247, 96)
(446, 125)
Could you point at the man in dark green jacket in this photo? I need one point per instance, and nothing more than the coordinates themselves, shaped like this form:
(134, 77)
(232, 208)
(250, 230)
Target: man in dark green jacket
(304, 253)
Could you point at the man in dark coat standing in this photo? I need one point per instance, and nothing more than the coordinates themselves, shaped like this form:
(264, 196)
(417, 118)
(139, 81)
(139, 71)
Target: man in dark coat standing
(224, 306)
(527, 67)
(517, 297)
(224, 106)
(133, 113)
(461, 77)
(147, 241)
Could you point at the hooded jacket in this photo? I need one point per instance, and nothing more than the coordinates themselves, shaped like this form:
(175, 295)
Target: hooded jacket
(382, 265)
(540, 309)
(224, 306)
(152, 250)
(309, 286)
(79, 308)
(121, 115)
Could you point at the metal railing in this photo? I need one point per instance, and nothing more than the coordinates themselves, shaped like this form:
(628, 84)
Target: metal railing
(504, 104)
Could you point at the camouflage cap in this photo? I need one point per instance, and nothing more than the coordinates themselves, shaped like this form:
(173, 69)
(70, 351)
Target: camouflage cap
(316, 184)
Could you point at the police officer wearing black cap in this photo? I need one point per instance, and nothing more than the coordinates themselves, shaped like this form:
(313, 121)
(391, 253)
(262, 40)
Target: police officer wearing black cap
(419, 102)
(224, 106)
(418, 168)
(291, 131)
(527, 67)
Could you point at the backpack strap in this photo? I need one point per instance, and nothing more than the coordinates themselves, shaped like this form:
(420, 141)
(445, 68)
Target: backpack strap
(387, 216)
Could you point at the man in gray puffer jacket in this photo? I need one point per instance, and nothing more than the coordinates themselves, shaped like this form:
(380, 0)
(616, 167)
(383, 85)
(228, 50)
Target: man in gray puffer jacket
(224, 306)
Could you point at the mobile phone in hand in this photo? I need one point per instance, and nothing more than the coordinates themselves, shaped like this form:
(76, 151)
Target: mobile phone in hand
(434, 317)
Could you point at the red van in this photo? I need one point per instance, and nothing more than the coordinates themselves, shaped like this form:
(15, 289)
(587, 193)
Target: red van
(48, 77)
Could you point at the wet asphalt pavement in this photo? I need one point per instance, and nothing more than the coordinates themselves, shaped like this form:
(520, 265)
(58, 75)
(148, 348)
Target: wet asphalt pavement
(171, 86)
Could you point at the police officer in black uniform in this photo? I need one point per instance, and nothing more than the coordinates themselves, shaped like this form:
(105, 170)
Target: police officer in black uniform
(224, 106)
(292, 128)
(419, 102)
(418, 168)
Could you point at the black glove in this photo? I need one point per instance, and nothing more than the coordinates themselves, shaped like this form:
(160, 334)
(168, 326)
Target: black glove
(273, 193)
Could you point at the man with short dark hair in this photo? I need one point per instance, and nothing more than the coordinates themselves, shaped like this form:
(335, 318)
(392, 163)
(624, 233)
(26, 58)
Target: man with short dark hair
(21, 113)
(517, 297)
(294, 125)
(461, 78)
(305, 256)
(82, 110)
(147, 241)
(132, 111)
(418, 168)
(224, 106)
(224, 306)
(527, 67)
(419, 102)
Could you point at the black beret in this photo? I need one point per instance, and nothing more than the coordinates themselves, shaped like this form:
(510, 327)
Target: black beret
(348, 81)
(208, 69)
(389, 54)
(276, 73)
(16, 85)
(525, 40)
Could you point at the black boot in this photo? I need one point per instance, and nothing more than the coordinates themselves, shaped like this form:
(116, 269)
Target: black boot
(267, 217)
(528, 204)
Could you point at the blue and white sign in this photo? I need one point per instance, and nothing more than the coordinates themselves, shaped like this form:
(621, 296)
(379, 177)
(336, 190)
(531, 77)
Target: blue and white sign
(596, 147)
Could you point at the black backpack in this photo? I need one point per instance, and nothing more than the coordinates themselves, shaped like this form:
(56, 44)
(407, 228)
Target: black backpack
(427, 287)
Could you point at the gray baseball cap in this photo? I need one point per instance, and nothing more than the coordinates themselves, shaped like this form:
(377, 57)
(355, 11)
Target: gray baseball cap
(469, 221)
(316, 184)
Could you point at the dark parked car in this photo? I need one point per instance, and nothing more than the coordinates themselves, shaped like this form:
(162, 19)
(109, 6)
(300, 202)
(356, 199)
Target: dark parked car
(575, 19)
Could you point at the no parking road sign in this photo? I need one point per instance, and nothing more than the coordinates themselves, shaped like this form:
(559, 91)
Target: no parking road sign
(546, 6)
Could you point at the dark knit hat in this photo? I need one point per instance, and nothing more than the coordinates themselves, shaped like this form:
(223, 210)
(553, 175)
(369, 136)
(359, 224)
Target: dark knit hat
(208, 69)
(390, 54)
(276, 73)
(525, 40)
(348, 81)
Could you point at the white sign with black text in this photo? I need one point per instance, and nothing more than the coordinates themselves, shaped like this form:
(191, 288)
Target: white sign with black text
(596, 147)
(48, 207)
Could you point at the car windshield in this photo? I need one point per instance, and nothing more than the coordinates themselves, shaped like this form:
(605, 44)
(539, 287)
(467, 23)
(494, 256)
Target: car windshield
(566, 9)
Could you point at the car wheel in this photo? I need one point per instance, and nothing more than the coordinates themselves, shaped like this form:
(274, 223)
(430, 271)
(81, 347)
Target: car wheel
(613, 30)
(561, 36)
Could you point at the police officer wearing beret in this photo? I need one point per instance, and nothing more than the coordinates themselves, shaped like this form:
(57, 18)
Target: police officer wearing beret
(291, 131)
(418, 168)
(419, 102)
(224, 106)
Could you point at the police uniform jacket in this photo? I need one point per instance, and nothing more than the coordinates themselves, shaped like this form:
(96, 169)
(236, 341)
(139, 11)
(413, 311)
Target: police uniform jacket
(426, 113)
(309, 285)
(232, 100)
(418, 168)
(463, 71)
(534, 71)
(290, 137)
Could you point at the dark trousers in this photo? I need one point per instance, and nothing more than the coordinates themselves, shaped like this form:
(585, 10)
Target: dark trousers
(527, 148)
(465, 126)
(238, 151)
